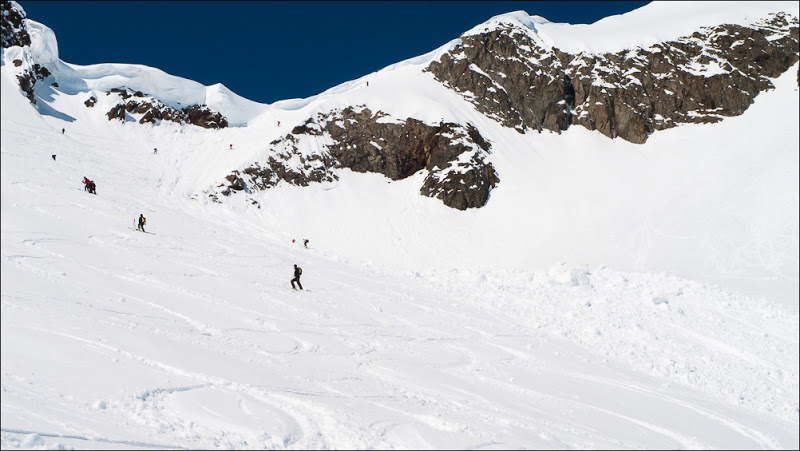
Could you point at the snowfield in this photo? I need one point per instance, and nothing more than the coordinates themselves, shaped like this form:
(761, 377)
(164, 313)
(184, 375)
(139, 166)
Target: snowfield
(609, 295)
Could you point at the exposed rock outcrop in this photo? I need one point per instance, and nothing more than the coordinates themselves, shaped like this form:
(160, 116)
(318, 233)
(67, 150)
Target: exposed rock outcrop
(459, 174)
(202, 116)
(509, 78)
(510, 75)
(454, 156)
(515, 79)
(14, 32)
(287, 163)
(291, 162)
(148, 109)
(26, 81)
(28, 78)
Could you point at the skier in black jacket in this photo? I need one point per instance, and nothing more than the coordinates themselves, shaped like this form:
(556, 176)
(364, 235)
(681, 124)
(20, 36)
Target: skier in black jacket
(297, 272)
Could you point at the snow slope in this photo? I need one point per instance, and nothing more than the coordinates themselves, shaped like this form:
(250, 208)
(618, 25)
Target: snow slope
(658, 21)
(176, 92)
(609, 295)
(190, 337)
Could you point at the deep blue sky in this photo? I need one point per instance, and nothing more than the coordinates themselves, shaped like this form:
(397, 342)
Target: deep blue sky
(268, 51)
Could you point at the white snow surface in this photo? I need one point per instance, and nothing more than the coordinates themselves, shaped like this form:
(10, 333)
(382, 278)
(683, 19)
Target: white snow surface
(609, 295)
(176, 92)
(658, 21)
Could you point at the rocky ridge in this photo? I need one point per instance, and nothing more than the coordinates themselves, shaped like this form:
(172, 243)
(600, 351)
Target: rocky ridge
(509, 75)
(455, 156)
(144, 108)
(147, 109)
(14, 32)
(29, 76)
(512, 77)
(15, 35)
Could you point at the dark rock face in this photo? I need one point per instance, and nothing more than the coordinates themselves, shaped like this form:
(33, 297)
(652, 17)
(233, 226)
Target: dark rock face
(310, 167)
(459, 174)
(278, 167)
(40, 72)
(716, 72)
(202, 116)
(153, 110)
(454, 156)
(150, 108)
(508, 78)
(395, 150)
(27, 80)
(14, 32)
(90, 102)
(307, 128)
(511, 76)
(118, 112)
(236, 182)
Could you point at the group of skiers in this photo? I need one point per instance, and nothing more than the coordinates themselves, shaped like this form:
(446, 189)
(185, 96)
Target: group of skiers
(88, 185)
(305, 243)
(297, 270)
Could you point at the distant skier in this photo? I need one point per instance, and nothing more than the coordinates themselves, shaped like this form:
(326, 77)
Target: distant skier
(231, 147)
(155, 150)
(279, 123)
(142, 222)
(297, 272)
(305, 243)
(86, 184)
(92, 187)
(54, 157)
(63, 131)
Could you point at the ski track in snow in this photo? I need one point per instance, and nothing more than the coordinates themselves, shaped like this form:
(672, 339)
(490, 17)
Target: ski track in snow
(425, 351)
(433, 355)
(190, 337)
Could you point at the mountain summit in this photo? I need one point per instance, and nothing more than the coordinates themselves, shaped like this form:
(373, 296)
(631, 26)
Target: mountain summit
(518, 114)
(523, 72)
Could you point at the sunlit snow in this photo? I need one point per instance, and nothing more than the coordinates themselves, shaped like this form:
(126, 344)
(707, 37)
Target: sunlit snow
(609, 295)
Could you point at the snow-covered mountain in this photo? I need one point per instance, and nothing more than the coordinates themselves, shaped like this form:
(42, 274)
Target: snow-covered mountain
(537, 235)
